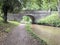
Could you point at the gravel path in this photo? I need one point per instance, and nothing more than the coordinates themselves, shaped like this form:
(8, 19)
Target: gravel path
(19, 36)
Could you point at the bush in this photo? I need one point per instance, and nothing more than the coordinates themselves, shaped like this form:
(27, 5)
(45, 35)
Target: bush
(26, 19)
(52, 20)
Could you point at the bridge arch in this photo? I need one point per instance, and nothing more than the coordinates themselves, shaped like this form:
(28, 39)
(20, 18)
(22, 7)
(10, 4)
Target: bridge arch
(28, 18)
(32, 18)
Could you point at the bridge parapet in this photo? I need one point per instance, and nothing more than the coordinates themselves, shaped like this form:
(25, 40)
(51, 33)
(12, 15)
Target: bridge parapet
(36, 14)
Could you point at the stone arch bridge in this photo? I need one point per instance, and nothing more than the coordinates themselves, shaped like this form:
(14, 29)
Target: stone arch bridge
(37, 15)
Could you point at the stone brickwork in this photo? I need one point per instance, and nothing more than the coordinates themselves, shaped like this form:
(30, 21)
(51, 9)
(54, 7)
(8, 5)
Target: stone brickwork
(36, 14)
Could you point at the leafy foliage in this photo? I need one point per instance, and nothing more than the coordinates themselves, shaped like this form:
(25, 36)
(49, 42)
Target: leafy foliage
(52, 20)
(12, 4)
(17, 5)
(9, 6)
(26, 19)
(48, 4)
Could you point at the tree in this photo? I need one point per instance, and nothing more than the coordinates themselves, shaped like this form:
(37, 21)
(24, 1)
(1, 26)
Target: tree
(30, 4)
(9, 6)
(48, 4)
(59, 7)
(53, 4)
(17, 5)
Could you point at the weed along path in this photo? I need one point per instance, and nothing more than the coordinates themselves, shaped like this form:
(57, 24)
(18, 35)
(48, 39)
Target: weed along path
(19, 36)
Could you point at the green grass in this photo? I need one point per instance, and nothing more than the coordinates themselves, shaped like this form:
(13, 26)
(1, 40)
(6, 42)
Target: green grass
(14, 22)
(29, 30)
(53, 20)
(7, 27)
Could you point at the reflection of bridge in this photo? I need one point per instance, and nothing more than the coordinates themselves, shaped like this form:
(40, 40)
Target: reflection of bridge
(36, 14)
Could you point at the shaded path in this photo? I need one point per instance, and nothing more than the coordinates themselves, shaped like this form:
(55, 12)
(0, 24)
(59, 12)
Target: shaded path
(19, 36)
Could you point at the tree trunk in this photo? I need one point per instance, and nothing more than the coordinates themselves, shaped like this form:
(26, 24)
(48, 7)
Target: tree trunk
(5, 17)
(59, 7)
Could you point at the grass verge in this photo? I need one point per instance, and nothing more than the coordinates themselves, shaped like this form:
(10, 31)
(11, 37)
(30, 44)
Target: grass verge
(29, 30)
(5, 28)
(8, 26)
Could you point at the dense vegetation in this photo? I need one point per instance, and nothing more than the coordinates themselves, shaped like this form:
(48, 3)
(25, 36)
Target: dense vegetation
(52, 20)
(17, 5)
(26, 19)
